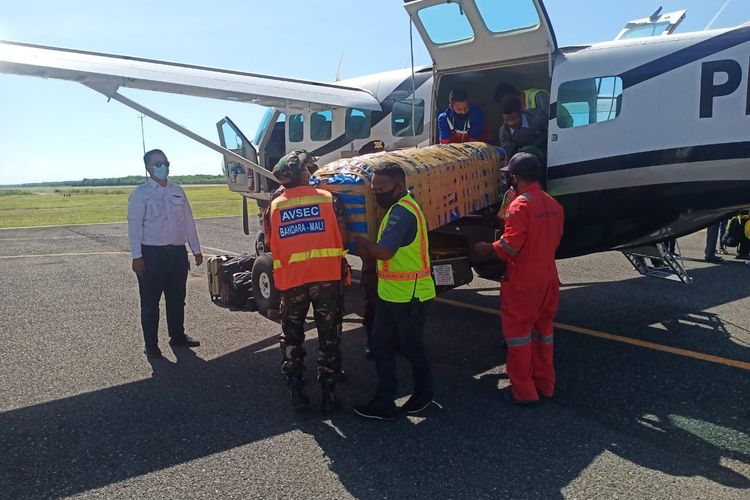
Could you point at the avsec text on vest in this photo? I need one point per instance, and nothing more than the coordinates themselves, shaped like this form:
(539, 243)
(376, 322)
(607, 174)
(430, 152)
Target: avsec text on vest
(304, 212)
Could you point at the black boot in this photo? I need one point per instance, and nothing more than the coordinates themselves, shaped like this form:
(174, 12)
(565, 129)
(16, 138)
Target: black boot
(299, 401)
(297, 397)
(328, 401)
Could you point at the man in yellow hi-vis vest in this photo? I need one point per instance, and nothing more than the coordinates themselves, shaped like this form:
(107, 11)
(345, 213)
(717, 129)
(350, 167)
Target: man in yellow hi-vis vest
(405, 287)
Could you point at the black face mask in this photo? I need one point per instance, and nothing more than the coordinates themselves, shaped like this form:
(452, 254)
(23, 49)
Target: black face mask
(514, 183)
(387, 199)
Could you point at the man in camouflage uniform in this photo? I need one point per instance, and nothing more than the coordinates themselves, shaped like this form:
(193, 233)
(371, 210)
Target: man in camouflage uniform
(293, 171)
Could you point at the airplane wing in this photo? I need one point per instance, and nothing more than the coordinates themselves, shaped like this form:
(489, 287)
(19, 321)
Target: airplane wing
(111, 72)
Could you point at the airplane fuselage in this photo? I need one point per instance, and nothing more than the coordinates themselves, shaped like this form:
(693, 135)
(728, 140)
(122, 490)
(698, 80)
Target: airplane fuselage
(658, 147)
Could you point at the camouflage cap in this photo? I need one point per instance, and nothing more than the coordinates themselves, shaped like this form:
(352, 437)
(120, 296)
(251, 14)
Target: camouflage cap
(289, 167)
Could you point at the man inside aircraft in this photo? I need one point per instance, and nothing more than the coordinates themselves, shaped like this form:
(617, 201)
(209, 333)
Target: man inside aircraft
(530, 98)
(522, 128)
(461, 122)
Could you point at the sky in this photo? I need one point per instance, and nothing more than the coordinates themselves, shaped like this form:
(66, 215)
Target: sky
(55, 130)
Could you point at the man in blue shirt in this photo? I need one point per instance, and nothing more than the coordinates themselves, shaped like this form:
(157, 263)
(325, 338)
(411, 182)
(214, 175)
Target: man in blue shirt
(461, 122)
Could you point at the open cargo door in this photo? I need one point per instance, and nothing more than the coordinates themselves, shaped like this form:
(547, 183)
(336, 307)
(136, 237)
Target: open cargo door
(463, 34)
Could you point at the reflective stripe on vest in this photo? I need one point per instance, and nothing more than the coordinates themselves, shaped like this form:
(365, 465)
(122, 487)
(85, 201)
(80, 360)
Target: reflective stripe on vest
(396, 284)
(312, 254)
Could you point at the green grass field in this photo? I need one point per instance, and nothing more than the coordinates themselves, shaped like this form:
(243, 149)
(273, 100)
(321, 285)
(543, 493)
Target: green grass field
(62, 206)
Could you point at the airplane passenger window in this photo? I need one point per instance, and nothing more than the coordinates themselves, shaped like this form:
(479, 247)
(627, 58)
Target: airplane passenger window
(358, 123)
(445, 23)
(593, 100)
(321, 123)
(508, 15)
(296, 128)
(405, 112)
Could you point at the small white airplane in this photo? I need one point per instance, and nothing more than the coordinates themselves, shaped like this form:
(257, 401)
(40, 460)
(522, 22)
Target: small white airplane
(658, 145)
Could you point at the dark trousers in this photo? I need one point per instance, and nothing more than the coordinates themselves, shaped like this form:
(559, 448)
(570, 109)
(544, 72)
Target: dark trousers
(399, 327)
(166, 272)
(712, 236)
(743, 249)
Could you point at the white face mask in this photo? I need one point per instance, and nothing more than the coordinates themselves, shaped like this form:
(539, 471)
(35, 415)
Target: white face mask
(161, 172)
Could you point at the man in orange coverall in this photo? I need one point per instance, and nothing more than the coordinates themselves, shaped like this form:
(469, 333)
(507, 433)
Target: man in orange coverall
(531, 288)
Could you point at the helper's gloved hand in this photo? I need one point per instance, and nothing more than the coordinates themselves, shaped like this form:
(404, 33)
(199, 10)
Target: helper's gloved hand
(484, 249)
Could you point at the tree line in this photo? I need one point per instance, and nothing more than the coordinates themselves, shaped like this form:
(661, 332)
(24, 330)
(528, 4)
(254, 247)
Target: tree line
(129, 180)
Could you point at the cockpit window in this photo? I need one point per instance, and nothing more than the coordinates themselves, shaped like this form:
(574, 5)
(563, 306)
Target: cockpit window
(501, 16)
(446, 23)
(263, 126)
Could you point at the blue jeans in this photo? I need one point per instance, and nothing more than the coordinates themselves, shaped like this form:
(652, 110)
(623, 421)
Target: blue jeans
(398, 328)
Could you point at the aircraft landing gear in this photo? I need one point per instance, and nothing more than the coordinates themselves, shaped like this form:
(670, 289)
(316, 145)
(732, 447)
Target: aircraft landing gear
(266, 294)
(260, 244)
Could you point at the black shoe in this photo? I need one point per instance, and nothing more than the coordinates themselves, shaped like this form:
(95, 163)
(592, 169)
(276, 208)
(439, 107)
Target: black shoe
(714, 259)
(378, 410)
(328, 403)
(184, 342)
(525, 402)
(521, 402)
(153, 353)
(299, 401)
(416, 403)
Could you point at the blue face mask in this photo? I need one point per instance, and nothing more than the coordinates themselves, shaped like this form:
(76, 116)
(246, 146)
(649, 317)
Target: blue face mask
(161, 172)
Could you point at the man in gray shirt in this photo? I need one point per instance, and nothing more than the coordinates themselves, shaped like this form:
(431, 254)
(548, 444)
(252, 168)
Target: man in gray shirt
(522, 128)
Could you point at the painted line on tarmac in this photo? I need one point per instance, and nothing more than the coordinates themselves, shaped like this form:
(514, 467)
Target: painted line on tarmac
(220, 251)
(53, 237)
(616, 338)
(62, 226)
(29, 256)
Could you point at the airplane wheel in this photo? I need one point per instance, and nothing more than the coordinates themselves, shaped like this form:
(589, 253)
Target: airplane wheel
(260, 244)
(265, 292)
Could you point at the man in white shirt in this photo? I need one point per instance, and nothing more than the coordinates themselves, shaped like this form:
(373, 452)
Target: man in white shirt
(159, 222)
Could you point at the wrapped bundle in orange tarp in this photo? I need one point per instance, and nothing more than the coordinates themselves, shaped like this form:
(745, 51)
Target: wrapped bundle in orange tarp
(449, 181)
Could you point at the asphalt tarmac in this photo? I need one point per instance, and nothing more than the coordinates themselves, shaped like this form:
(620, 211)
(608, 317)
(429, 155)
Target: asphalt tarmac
(653, 398)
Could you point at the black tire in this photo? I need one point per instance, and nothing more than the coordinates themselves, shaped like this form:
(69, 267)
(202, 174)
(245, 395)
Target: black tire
(260, 243)
(264, 291)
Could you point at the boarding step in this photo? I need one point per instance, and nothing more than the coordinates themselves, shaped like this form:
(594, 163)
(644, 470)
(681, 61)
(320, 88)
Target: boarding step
(656, 261)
